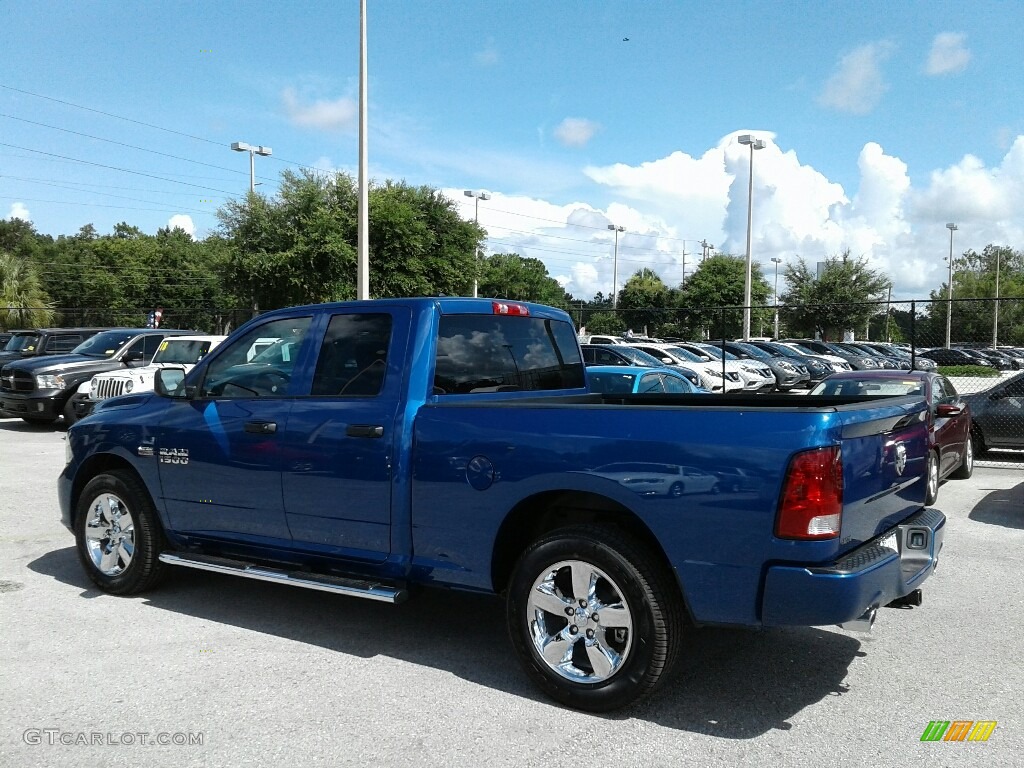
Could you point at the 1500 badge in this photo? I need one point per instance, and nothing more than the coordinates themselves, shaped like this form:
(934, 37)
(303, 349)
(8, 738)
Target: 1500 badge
(174, 456)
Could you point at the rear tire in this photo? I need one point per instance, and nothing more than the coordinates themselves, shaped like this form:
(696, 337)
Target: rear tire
(594, 616)
(966, 468)
(980, 449)
(932, 480)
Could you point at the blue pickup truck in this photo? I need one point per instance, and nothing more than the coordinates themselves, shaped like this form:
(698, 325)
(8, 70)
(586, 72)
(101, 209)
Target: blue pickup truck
(376, 446)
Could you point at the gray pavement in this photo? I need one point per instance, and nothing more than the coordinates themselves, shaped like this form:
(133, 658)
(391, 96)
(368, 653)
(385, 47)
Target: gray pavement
(272, 675)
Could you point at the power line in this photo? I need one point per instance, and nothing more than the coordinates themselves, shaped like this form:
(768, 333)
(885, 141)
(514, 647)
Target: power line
(113, 168)
(103, 186)
(122, 144)
(95, 205)
(105, 194)
(140, 122)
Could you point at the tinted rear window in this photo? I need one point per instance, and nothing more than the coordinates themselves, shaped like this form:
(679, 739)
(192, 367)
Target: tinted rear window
(490, 353)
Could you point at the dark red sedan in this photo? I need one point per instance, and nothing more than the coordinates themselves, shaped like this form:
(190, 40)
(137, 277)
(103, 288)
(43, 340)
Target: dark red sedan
(952, 449)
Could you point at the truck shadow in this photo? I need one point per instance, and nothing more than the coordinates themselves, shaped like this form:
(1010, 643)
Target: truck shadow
(731, 683)
(1004, 506)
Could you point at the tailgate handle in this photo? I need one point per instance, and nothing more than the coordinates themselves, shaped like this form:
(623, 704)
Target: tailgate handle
(261, 427)
(364, 430)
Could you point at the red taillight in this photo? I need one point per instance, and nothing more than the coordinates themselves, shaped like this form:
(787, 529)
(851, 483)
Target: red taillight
(508, 308)
(812, 496)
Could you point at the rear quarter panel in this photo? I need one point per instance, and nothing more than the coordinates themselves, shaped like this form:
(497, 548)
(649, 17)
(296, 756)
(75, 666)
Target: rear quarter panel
(472, 464)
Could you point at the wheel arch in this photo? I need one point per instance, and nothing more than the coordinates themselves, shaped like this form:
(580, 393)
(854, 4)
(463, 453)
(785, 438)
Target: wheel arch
(543, 512)
(99, 464)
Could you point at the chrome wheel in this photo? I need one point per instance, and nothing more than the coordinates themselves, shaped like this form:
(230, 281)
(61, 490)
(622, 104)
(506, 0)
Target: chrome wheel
(969, 456)
(579, 622)
(110, 534)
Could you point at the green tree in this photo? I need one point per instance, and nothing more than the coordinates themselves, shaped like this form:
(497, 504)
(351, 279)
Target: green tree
(510, 276)
(837, 301)
(974, 277)
(644, 301)
(300, 246)
(712, 297)
(23, 303)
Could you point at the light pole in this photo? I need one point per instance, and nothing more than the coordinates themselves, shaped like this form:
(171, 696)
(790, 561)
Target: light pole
(477, 197)
(615, 266)
(748, 140)
(949, 288)
(363, 209)
(995, 318)
(888, 311)
(241, 146)
(777, 261)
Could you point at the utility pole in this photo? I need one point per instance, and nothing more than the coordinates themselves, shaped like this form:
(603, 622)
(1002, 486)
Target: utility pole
(949, 288)
(706, 249)
(995, 318)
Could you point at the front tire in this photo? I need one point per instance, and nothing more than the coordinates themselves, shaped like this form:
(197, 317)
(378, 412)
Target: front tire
(932, 478)
(594, 617)
(70, 417)
(118, 534)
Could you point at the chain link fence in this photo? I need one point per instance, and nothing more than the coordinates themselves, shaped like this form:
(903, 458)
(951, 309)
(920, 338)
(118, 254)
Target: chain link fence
(209, 320)
(978, 344)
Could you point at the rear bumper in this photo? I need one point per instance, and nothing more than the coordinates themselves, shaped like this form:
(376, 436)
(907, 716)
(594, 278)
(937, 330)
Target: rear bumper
(868, 577)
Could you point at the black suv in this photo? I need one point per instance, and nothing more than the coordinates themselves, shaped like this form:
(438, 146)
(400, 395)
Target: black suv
(39, 390)
(32, 342)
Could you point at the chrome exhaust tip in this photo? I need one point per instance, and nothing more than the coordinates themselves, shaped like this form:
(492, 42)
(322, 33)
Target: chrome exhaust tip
(862, 623)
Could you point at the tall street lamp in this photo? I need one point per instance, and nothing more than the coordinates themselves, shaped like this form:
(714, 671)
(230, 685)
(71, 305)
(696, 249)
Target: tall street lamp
(995, 318)
(777, 261)
(748, 140)
(615, 266)
(478, 196)
(241, 146)
(949, 288)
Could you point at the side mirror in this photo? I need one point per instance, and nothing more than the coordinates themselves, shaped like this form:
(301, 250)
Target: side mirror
(132, 357)
(167, 382)
(947, 410)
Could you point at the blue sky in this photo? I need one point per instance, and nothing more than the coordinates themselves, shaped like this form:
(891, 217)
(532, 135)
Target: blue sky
(883, 121)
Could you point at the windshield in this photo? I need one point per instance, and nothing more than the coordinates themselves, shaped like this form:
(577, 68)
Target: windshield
(753, 351)
(869, 386)
(684, 354)
(638, 356)
(182, 351)
(805, 350)
(22, 342)
(716, 352)
(104, 344)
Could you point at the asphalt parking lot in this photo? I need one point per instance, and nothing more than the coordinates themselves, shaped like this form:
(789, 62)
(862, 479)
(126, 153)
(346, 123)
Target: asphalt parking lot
(273, 675)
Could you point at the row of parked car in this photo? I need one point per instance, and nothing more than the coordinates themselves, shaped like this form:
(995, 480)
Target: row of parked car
(52, 373)
(754, 365)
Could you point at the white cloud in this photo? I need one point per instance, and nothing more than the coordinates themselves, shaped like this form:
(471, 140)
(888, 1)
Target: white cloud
(576, 131)
(183, 222)
(488, 55)
(676, 201)
(338, 115)
(948, 54)
(19, 211)
(857, 85)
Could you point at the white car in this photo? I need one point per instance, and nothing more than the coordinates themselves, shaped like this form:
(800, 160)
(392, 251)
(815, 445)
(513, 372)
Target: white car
(710, 370)
(179, 351)
(839, 363)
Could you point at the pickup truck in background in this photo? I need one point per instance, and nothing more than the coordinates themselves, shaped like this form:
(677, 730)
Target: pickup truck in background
(39, 389)
(453, 442)
(182, 351)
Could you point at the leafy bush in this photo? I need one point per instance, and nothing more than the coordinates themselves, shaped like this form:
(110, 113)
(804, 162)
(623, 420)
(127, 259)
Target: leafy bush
(976, 371)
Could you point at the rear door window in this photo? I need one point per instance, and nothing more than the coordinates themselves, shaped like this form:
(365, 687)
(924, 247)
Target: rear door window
(494, 353)
(353, 356)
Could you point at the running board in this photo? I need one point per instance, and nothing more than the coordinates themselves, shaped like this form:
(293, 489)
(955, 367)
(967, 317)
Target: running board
(339, 585)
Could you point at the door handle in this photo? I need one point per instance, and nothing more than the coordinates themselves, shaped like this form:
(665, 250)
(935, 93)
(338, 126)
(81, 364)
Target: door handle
(364, 430)
(261, 427)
